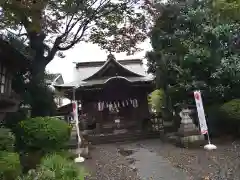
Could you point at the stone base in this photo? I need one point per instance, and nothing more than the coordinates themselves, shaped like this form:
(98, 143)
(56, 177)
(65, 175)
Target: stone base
(193, 141)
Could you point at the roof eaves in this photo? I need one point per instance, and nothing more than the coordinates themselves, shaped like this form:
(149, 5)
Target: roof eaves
(117, 62)
(22, 53)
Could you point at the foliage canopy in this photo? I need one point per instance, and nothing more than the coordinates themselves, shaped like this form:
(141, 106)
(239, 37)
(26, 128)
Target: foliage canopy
(155, 99)
(196, 48)
(51, 26)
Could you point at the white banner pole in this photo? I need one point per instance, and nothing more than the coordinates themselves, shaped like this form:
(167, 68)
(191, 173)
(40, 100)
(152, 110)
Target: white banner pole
(202, 119)
(75, 115)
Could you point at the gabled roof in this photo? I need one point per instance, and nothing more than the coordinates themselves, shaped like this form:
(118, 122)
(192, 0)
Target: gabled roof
(89, 74)
(84, 70)
(91, 83)
(101, 63)
(110, 63)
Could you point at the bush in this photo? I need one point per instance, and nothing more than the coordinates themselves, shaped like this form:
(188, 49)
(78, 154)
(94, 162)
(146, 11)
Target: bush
(7, 140)
(230, 112)
(67, 154)
(56, 167)
(30, 160)
(231, 109)
(10, 167)
(44, 133)
(214, 120)
(155, 100)
(12, 120)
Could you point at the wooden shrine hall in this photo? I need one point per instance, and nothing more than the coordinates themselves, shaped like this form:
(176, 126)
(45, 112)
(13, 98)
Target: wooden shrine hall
(113, 94)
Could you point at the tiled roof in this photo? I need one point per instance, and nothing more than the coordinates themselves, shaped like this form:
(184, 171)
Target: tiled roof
(100, 63)
(87, 69)
(84, 72)
(102, 81)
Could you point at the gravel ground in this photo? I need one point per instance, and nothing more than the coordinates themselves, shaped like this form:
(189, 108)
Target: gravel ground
(108, 164)
(223, 164)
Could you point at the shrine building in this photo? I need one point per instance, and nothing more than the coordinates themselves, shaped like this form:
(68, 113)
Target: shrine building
(113, 94)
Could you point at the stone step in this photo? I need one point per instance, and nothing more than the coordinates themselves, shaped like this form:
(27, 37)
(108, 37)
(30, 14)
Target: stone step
(117, 138)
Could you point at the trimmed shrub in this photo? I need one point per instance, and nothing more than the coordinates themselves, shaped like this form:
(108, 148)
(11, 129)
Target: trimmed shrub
(155, 100)
(10, 167)
(44, 133)
(231, 109)
(216, 125)
(56, 167)
(7, 140)
(230, 112)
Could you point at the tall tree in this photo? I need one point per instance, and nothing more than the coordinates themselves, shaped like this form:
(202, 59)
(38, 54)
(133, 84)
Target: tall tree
(198, 50)
(31, 93)
(53, 26)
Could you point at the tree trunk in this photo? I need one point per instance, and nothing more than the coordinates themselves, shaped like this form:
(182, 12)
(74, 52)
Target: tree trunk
(162, 83)
(41, 98)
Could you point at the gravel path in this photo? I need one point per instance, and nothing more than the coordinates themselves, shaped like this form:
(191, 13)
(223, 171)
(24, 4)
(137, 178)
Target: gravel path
(109, 163)
(222, 164)
(127, 161)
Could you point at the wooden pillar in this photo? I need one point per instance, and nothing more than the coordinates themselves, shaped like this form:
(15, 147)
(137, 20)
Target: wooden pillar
(99, 122)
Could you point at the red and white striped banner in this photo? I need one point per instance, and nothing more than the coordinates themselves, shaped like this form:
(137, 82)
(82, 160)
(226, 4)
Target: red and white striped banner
(75, 116)
(75, 111)
(200, 111)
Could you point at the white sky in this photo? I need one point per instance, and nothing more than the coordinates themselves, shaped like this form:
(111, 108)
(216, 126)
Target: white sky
(84, 52)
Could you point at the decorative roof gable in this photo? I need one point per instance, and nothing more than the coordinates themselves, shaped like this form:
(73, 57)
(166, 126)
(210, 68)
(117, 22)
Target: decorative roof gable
(90, 74)
(112, 68)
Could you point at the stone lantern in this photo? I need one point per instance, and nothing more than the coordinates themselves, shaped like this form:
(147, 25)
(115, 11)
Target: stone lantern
(188, 134)
(27, 108)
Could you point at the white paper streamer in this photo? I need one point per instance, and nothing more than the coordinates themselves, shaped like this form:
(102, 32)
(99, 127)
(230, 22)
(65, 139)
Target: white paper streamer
(102, 106)
(99, 106)
(110, 106)
(136, 103)
(115, 105)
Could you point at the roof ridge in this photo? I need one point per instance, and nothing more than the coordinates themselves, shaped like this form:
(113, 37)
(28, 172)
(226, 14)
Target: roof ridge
(101, 63)
(111, 58)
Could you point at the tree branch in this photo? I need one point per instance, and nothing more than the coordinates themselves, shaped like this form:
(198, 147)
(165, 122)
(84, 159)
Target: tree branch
(25, 21)
(53, 51)
(83, 27)
(75, 39)
(68, 30)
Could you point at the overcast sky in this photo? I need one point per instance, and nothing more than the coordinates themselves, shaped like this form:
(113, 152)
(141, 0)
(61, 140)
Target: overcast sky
(84, 52)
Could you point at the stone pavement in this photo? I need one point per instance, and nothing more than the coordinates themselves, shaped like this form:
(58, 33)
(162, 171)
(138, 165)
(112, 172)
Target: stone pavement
(149, 165)
(130, 161)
